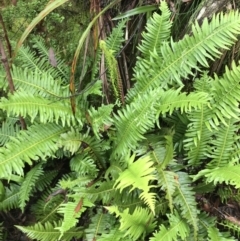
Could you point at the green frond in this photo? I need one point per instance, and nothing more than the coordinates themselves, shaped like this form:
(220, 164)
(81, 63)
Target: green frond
(115, 234)
(214, 234)
(96, 149)
(205, 222)
(72, 180)
(100, 224)
(158, 30)
(40, 83)
(45, 180)
(138, 175)
(70, 141)
(233, 228)
(221, 148)
(100, 119)
(112, 68)
(134, 120)
(227, 174)
(104, 192)
(179, 58)
(26, 104)
(198, 136)
(204, 83)
(11, 199)
(40, 60)
(48, 232)
(172, 100)
(178, 228)
(45, 209)
(226, 94)
(28, 184)
(116, 38)
(167, 182)
(38, 142)
(61, 69)
(135, 225)
(184, 198)
(84, 165)
(8, 129)
(71, 211)
(179, 121)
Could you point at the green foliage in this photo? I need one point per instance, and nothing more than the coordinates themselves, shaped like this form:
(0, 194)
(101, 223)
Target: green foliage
(142, 170)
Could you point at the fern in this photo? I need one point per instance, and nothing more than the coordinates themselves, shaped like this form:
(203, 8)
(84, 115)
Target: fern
(29, 146)
(178, 228)
(11, 199)
(178, 59)
(227, 174)
(8, 129)
(225, 92)
(134, 225)
(28, 184)
(104, 222)
(71, 212)
(185, 200)
(158, 30)
(26, 104)
(100, 119)
(138, 175)
(48, 232)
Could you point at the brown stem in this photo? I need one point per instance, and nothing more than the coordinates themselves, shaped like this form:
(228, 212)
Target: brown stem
(6, 36)
(9, 79)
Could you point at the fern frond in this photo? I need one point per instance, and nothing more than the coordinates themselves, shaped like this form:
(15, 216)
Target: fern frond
(70, 141)
(172, 100)
(112, 66)
(38, 83)
(185, 199)
(71, 211)
(232, 227)
(38, 142)
(116, 38)
(158, 30)
(28, 184)
(226, 95)
(11, 199)
(167, 182)
(228, 174)
(45, 180)
(61, 69)
(177, 228)
(48, 232)
(134, 120)
(197, 136)
(135, 225)
(214, 234)
(101, 224)
(115, 234)
(8, 129)
(138, 175)
(179, 58)
(39, 60)
(221, 148)
(84, 165)
(45, 210)
(205, 222)
(100, 118)
(25, 104)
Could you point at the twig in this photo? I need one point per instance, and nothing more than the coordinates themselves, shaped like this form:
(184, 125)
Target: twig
(9, 79)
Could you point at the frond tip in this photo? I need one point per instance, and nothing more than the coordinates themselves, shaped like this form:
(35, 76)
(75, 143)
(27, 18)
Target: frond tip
(138, 175)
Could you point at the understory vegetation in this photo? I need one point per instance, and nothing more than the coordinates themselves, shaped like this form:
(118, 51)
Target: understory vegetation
(132, 139)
